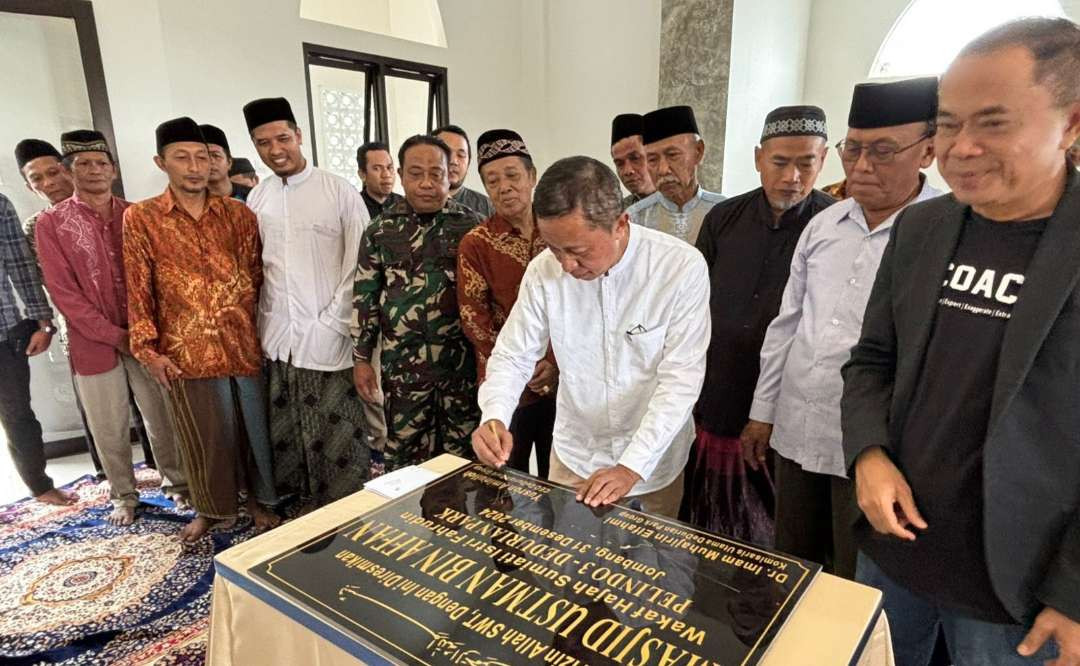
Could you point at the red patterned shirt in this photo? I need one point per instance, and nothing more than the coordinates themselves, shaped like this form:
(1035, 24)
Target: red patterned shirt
(81, 258)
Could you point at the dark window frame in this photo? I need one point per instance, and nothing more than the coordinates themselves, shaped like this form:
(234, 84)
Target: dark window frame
(82, 12)
(376, 68)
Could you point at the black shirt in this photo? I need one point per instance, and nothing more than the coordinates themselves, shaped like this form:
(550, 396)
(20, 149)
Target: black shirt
(748, 252)
(240, 192)
(374, 208)
(941, 445)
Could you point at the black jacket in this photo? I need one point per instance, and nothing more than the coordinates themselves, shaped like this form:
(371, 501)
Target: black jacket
(1031, 463)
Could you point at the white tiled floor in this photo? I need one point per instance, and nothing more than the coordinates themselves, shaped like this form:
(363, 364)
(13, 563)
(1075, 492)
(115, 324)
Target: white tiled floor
(62, 470)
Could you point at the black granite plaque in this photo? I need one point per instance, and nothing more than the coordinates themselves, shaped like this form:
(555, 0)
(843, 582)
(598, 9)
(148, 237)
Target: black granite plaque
(488, 568)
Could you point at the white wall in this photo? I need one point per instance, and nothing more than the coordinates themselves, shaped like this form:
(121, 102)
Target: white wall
(415, 20)
(845, 35)
(602, 59)
(542, 67)
(768, 57)
(40, 68)
(844, 38)
(206, 59)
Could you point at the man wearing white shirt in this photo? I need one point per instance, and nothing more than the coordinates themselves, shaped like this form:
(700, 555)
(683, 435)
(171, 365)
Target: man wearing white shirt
(797, 399)
(310, 221)
(626, 311)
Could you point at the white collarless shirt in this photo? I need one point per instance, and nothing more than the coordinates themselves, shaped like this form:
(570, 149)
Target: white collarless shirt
(631, 350)
(658, 212)
(310, 226)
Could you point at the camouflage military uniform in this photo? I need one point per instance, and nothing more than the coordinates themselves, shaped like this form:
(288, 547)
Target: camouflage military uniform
(405, 291)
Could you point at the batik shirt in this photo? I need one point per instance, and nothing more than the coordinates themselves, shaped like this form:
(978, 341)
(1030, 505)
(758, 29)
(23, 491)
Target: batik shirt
(491, 262)
(837, 190)
(406, 292)
(193, 285)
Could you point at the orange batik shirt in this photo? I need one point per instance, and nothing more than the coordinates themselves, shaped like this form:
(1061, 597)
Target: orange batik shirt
(492, 259)
(193, 285)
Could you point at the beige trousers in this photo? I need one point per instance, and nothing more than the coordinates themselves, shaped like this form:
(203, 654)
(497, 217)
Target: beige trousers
(105, 399)
(663, 502)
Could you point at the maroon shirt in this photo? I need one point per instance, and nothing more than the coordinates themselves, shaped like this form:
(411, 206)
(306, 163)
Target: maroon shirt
(82, 262)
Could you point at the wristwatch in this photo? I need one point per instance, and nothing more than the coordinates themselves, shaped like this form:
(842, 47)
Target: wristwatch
(49, 329)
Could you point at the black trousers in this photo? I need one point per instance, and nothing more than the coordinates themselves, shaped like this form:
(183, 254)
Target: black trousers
(533, 425)
(815, 517)
(20, 425)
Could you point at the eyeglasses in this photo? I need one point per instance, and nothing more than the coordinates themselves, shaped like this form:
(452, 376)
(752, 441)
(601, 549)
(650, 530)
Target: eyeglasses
(878, 152)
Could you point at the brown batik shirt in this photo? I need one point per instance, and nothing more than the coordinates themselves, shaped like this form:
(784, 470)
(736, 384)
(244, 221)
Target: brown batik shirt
(193, 285)
(491, 263)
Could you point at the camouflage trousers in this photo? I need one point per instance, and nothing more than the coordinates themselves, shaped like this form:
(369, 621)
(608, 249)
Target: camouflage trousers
(429, 418)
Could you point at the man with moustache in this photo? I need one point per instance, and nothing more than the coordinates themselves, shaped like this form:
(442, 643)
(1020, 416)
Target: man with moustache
(310, 221)
(375, 167)
(193, 275)
(491, 262)
(626, 311)
(796, 406)
(747, 242)
(628, 154)
(405, 297)
(80, 251)
(674, 151)
(220, 164)
(460, 159)
(959, 405)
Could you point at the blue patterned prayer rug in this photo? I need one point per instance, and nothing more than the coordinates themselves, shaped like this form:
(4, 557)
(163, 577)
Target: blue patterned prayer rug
(75, 590)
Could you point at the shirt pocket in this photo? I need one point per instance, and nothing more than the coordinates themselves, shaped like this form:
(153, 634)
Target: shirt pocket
(326, 235)
(397, 249)
(398, 261)
(645, 350)
(446, 246)
(326, 243)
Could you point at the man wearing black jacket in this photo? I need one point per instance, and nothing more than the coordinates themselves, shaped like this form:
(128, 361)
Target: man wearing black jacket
(959, 405)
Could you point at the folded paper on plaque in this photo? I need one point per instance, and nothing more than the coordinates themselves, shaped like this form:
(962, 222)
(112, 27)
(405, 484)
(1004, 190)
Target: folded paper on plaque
(486, 567)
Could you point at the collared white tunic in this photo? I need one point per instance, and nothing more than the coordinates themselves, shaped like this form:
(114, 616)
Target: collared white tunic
(631, 349)
(310, 226)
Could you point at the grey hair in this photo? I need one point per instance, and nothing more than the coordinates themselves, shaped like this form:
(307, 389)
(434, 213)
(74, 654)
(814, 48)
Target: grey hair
(1053, 42)
(579, 183)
